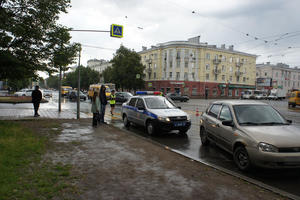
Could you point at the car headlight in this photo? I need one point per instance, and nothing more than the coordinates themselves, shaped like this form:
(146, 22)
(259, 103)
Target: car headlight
(188, 117)
(164, 119)
(267, 147)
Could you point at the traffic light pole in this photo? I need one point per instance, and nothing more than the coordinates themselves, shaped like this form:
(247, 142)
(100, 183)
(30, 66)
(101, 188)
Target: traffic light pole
(78, 88)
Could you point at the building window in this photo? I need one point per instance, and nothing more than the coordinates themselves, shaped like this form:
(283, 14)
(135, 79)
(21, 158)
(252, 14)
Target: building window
(244, 79)
(276, 74)
(215, 92)
(185, 76)
(237, 60)
(256, 74)
(194, 91)
(224, 58)
(237, 79)
(170, 75)
(155, 65)
(230, 92)
(223, 68)
(168, 90)
(207, 67)
(294, 76)
(186, 64)
(177, 75)
(207, 76)
(186, 53)
(266, 74)
(230, 59)
(178, 55)
(230, 78)
(216, 77)
(178, 63)
(154, 75)
(236, 93)
(223, 92)
(171, 63)
(207, 56)
(193, 75)
(298, 77)
(223, 77)
(230, 69)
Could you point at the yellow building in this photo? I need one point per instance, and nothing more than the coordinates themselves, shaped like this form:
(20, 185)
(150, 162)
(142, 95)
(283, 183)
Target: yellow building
(193, 68)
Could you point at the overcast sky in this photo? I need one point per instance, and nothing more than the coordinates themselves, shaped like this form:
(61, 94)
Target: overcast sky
(268, 28)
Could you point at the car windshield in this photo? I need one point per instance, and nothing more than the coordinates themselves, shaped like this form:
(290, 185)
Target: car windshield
(158, 103)
(258, 115)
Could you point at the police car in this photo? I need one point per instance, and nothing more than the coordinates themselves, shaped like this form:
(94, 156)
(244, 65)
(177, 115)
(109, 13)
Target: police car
(156, 113)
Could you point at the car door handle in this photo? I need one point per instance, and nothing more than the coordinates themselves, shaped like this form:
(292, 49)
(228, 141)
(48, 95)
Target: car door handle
(215, 125)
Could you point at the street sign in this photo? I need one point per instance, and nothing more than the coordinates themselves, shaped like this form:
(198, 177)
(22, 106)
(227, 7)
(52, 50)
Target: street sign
(116, 30)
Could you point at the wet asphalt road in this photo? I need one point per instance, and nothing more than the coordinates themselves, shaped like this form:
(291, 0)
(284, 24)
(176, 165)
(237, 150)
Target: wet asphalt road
(286, 180)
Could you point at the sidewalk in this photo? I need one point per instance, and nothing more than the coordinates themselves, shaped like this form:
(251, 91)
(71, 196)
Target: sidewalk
(114, 164)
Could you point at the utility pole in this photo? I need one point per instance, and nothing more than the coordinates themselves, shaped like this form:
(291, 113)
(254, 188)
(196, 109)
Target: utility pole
(78, 88)
(59, 91)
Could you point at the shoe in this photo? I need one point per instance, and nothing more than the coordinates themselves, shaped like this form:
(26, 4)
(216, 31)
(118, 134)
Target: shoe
(36, 115)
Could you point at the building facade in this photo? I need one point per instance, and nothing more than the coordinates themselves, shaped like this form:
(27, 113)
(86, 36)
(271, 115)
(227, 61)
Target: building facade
(99, 66)
(193, 68)
(280, 75)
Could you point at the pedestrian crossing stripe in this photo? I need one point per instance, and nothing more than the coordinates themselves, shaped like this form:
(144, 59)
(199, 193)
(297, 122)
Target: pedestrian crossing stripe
(116, 30)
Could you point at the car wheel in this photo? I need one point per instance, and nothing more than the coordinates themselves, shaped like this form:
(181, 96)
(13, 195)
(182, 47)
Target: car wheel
(150, 128)
(203, 136)
(126, 121)
(241, 158)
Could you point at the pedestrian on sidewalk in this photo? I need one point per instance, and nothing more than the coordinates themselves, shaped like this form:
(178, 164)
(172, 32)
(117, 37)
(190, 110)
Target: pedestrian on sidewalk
(103, 102)
(95, 108)
(112, 102)
(36, 97)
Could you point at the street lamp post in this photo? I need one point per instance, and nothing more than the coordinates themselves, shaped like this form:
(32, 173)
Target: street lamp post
(78, 88)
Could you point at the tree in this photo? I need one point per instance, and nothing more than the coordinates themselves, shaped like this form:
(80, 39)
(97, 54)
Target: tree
(52, 82)
(126, 64)
(27, 37)
(87, 77)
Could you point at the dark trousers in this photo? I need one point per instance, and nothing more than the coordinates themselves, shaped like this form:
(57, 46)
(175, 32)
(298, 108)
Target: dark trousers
(36, 106)
(102, 113)
(95, 118)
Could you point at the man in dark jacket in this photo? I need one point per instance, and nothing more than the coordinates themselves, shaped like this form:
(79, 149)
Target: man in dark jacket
(103, 102)
(36, 96)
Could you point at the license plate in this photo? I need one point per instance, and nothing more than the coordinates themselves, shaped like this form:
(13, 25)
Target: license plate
(176, 124)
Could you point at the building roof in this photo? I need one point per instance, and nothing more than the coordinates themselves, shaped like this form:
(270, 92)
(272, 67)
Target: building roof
(192, 42)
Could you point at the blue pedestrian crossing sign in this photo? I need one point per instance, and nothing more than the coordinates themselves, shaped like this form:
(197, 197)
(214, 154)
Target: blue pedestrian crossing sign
(116, 30)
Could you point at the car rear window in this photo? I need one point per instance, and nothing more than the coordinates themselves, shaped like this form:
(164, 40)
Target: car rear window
(214, 110)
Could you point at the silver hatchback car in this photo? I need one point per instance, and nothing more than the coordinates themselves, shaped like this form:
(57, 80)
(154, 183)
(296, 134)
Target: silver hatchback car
(254, 132)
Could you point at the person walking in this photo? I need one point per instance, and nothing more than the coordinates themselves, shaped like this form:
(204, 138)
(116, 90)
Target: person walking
(103, 102)
(36, 97)
(112, 102)
(95, 108)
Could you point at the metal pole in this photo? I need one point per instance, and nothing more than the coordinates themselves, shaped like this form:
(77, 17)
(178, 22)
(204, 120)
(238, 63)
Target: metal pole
(59, 91)
(78, 88)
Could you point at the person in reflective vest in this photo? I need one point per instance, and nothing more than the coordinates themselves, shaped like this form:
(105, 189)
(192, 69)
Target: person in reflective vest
(112, 102)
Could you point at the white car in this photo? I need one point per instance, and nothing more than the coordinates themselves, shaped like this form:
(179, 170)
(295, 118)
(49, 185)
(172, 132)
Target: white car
(47, 93)
(21, 92)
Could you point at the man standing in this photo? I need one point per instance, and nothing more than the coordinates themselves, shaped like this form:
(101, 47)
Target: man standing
(103, 102)
(36, 96)
(112, 102)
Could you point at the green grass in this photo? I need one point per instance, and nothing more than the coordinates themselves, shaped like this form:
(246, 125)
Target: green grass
(22, 174)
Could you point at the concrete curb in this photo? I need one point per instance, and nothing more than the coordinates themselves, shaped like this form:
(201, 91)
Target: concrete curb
(226, 171)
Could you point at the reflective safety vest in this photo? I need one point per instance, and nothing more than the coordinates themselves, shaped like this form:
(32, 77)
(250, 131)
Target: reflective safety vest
(112, 99)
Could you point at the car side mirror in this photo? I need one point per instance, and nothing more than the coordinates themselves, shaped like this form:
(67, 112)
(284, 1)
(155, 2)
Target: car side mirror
(228, 123)
(289, 121)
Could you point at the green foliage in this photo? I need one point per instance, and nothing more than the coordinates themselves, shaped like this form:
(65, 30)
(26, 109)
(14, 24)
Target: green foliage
(23, 175)
(126, 64)
(52, 82)
(17, 84)
(87, 77)
(30, 37)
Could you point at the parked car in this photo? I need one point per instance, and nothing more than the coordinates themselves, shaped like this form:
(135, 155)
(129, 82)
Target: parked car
(156, 113)
(73, 95)
(253, 132)
(22, 92)
(178, 97)
(294, 99)
(47, 93)
(277, 94)
(122, 97)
